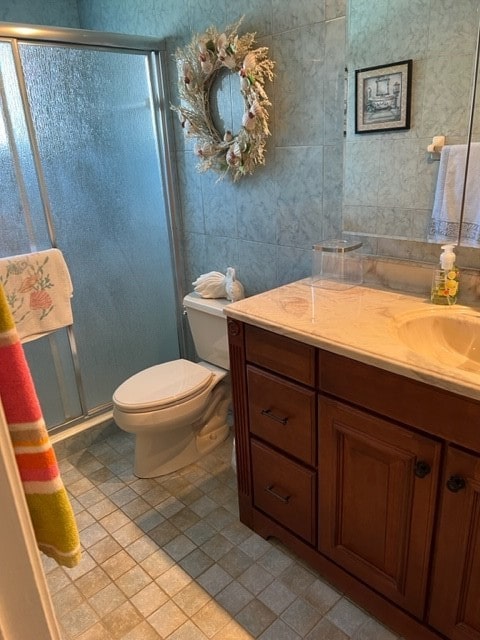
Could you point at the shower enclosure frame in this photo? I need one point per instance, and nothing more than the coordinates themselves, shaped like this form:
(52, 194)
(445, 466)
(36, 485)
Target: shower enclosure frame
(154, 49)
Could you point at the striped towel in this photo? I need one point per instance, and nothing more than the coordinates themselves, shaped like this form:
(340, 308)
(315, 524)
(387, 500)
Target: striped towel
(50, 509)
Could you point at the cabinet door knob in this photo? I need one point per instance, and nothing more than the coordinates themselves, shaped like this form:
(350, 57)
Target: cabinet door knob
(455, 484)
(422, 469)
(270, 489)
(269, 414)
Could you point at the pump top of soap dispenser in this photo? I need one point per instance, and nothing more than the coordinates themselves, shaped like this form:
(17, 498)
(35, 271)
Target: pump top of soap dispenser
(447, 257)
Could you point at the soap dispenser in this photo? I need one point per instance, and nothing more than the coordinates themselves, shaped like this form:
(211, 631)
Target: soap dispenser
(446, 278)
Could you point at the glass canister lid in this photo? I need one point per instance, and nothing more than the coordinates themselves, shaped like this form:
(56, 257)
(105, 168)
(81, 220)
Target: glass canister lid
(337, 246)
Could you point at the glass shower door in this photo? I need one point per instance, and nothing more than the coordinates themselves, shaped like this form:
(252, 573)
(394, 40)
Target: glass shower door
(23, 228)
(92, 114)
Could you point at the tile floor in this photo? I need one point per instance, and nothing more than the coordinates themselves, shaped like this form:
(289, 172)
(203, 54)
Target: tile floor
(168, 558)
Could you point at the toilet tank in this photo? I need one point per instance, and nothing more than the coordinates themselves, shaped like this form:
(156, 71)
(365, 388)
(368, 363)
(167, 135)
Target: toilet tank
(208, 325)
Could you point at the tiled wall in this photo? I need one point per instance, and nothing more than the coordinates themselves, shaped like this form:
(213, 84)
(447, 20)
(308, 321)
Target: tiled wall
(264, 225)
(53, 13)
(389, 183)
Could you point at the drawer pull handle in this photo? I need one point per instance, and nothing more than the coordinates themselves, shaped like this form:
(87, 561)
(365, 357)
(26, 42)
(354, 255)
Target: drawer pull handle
(277, 495)
(456, 484)
(269, 414)
(422, 469)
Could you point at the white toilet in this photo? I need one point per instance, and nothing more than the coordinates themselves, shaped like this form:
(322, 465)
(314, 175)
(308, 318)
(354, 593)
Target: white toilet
(178, 410)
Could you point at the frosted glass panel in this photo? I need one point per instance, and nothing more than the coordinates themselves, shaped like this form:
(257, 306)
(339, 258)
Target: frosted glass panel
(51, 365)
(92, 114)
(23, 228)
(22, 222)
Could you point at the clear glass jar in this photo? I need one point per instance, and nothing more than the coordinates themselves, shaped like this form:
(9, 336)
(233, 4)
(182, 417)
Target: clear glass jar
(337, 264)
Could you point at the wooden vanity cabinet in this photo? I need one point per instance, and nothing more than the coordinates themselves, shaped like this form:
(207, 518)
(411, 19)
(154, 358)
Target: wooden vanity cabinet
(359, 471)
(455, 588)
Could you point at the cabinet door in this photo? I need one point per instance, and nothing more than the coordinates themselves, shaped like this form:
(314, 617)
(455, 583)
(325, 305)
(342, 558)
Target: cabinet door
(455, 600)
(377, 484)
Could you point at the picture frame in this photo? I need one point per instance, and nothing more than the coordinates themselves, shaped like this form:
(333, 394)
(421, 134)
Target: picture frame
(383, 97)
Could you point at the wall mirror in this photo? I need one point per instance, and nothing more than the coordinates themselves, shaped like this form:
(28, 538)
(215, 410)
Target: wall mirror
(390, 180)
(470, 227)
(226, 102)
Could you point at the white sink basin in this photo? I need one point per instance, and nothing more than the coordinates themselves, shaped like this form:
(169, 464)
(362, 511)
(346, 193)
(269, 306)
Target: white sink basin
(449, 337)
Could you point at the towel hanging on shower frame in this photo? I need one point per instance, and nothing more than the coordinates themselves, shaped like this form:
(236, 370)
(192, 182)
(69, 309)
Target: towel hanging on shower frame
(50, 510)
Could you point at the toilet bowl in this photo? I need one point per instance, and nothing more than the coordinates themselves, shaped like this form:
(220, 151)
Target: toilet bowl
(178, 410)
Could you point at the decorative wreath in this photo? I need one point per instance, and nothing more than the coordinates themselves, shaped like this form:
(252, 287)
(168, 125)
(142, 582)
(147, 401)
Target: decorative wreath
(198, 65)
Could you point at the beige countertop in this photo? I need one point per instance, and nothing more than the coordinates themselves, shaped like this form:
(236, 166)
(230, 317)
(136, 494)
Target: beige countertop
(363, 323)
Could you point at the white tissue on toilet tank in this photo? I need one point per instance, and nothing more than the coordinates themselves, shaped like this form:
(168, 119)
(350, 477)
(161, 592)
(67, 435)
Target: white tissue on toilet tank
(210, 285)
(216, 285)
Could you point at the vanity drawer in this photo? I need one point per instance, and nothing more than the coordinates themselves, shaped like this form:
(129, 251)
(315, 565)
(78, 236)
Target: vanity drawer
(282, 413)
(280, 354)
(284, 490)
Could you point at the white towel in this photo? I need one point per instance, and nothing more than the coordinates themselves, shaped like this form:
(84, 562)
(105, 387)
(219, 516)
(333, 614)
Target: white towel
(445, 221)
(38, 290)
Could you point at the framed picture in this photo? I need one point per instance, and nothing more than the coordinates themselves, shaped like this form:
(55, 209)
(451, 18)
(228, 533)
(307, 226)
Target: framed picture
(382, 97)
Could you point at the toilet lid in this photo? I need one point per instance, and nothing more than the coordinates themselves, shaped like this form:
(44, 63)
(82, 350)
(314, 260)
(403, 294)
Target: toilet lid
(162, 385)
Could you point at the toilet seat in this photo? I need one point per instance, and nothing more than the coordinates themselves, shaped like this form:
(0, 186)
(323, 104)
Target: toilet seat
(162, 386)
